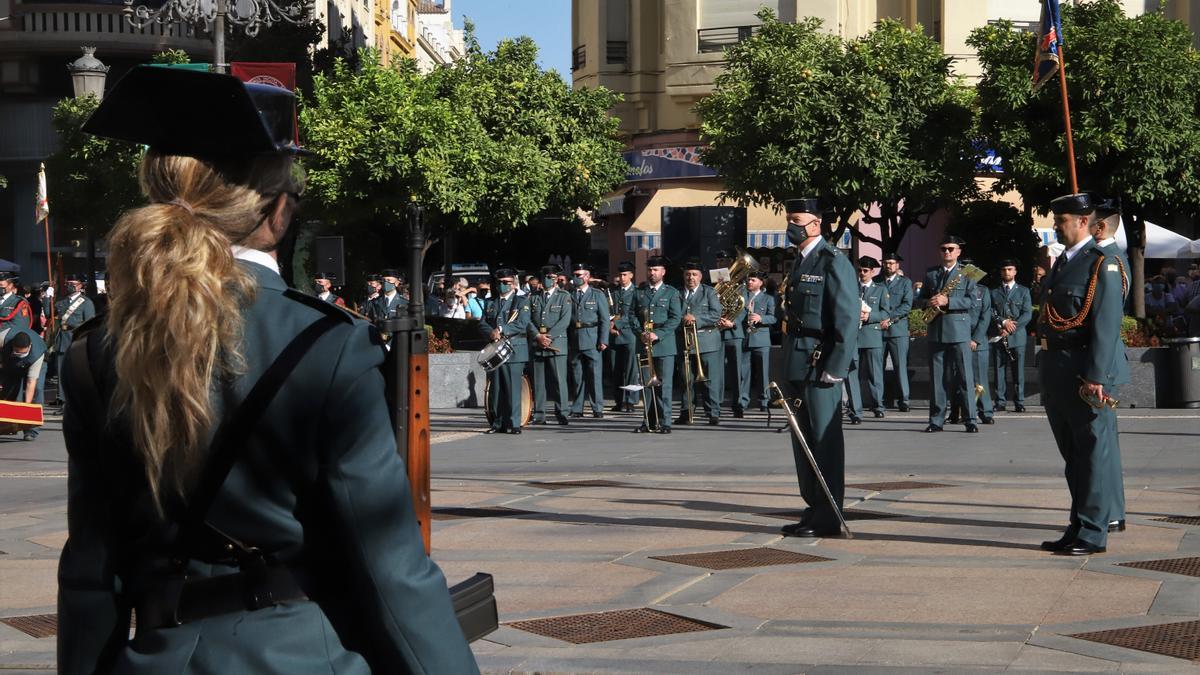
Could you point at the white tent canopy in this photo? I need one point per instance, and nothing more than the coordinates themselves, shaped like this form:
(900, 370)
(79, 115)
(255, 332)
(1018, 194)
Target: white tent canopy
(1162, 243)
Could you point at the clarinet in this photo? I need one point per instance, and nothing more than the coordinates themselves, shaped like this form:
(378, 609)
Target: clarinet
(998, 325)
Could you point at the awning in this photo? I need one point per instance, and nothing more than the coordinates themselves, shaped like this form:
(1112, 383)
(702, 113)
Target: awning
(613, 203)
(765, 227)
(1162, 243)
(646, 231)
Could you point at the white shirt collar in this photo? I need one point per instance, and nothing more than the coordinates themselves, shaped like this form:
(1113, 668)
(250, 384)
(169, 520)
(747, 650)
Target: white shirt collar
(892, 277)
(809, 249)
(1008, 285)
(324, 295)
(868, 283)
(5, 295)
(1070, 253)
(951, 267)
(627, 286)
(654, 287)
(255, 256)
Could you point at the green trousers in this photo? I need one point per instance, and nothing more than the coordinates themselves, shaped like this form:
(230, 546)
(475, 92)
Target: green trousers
(707, 395)
(820, 419)
(549, 374)
(897, 349)
(504, 396)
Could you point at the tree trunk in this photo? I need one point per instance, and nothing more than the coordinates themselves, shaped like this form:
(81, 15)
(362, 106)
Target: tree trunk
(1135, 235)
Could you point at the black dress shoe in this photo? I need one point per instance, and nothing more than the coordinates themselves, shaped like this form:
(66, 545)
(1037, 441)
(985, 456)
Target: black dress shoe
(1018, 408)
(1001, 408)
(577, 415)
(1058, 544)
(714, 421)
(953, 419)
(879, 414)
(598, 414)
(618, 408)
(1081, 547)
(628, 407)
(562, 421)
(642, 429)
(513, 431)
(493, 430)
(791, 529)
(987, 420)
(1116, 525)
(762, 408)
(665, 430)
(971, 428)
(855, 420)
(903, 407)
(932, 428)
(813, 531)
(738, 413)
(682, 419)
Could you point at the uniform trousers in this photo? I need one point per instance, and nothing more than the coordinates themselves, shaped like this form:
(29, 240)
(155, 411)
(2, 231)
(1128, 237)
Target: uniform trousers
(733, 370)
(707, 394)
(959, 354)
(504, 395)
(756, 362)
(586, 380)
(1003, 367)
(1086, 438)
(659, 405)
(549, 375)
(897, 350)
(624, 372)
(820, 419)
(869, 366)
(981, 372)
(1113, 474)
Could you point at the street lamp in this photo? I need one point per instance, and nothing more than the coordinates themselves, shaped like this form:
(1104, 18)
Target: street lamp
(88, 74)
(252, 14)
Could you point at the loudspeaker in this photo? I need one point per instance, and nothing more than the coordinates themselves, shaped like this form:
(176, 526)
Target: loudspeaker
(330, 258)
(701, 232)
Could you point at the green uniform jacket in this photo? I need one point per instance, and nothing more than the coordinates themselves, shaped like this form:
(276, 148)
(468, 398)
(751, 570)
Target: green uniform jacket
(1066, 289)
(764, 306)
(386, 308)
(549, 315)
(325, 492)
(870, 334)
(84, 312)
(511, 316)
(1017, 305)
(955, 324)
(589, 325)
(622, 318)
(706, 307)
(664, 308)
(981, 315)
(822, 312)
(900, 290)
(15, 312)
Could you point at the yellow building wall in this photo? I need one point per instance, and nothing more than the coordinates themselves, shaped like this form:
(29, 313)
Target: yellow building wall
(392, 44)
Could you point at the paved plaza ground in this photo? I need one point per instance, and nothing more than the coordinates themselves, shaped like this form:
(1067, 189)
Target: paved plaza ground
(943, 574)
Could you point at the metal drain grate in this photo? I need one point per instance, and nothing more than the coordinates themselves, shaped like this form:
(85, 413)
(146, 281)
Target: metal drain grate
(37, 625)
(745, 557)
(1180, 520)
(1180, 640)
(896, 485)
(457, 512)
(849, 514)
(565, 484)
(1186, 566)
(618, 625)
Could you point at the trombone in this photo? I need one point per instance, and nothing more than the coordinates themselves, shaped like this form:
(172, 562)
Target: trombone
(691, 348)
(647, 375)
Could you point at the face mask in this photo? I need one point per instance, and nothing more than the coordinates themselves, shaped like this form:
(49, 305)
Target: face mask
(388, 287)
(505, 288)
(576, 281)
(549, 282)
(19, 357)
(796, 234)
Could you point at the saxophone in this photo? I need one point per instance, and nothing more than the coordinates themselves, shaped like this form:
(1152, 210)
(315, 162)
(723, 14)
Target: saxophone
(730, 292)
(967, 272)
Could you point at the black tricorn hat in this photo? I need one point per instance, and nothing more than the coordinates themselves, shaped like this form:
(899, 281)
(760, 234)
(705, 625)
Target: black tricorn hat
(624, 266)
(693, 264)
(1079, 204)
(73, 277)
(867, 262)
(657, 261)
(552, 269)
(199, 114)
(1008, 262)
(374, 277)
(802, 205)
(582, 267)
(951, 239)
(9, 276)
(389, 272)
(893, 256)
(323, 275)
(504, 271)
(1107, 206)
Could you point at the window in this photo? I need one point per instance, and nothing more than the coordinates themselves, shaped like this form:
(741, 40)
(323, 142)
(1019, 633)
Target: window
(616, 16)
(723, 23)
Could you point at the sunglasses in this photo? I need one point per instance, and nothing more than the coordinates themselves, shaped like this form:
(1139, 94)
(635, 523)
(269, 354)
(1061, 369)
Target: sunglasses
(948, 249)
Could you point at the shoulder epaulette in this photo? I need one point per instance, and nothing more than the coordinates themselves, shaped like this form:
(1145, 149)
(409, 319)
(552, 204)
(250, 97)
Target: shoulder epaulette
(933, 268)
(318, 304)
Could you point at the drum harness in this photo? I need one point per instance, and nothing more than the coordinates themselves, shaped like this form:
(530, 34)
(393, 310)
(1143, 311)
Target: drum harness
(173, 598)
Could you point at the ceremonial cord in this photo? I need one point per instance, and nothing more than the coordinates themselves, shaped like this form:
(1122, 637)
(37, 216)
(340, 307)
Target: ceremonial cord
(1057, 322)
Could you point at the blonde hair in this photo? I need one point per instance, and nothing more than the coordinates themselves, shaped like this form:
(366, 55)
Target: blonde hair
(174, 311)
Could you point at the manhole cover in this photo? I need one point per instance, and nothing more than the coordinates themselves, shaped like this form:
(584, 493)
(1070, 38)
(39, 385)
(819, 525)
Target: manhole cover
(1186, 566)
(1180, 520)
(564, 484)
(849, 514)
(1181, 640)
(38, 625)
(619, 625)
(456, 512)
(745, 557)
(896, 485)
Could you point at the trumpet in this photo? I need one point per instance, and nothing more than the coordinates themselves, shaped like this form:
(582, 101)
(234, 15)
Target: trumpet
(647, 376)
(1093, 401)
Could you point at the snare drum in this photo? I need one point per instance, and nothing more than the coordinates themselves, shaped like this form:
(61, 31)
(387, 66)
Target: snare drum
(495, 355)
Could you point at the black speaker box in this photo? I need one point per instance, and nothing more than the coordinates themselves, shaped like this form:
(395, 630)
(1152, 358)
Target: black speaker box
(330, 258)
(701, 232)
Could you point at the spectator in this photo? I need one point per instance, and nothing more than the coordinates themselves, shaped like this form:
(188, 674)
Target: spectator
(473, 308)
(1160, 305)
(1191, 306)
(433, 304)
(452, 306)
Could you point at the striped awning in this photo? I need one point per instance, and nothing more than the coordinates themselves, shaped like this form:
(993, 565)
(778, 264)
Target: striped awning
(635, 241)
(767, 239)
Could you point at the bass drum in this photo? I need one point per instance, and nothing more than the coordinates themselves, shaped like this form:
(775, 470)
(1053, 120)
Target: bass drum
(526, 400)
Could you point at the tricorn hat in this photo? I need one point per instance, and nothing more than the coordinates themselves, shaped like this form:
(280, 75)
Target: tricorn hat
(552, 269)
(390, 272)
(624, 266)
(893, 256)
(199, 114)
(802, 205)
(1107, 206)
(693, 264)
(867, 262)
(1080, 203)
(503, 271)
(657, 261)
(951, 239)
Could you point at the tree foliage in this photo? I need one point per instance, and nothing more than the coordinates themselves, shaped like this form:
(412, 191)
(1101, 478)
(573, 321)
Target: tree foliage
(873, 120)
(1134, 89)
(994, 231)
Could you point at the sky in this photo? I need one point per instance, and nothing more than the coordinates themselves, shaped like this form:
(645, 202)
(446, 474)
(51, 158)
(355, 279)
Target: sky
(548, 22)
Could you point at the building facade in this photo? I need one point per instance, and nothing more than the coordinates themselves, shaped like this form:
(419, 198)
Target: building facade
(662, 57)
(395, 29)
(437, 40)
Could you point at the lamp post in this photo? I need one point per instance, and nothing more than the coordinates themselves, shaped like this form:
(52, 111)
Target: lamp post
(87, 77)
(251, 14)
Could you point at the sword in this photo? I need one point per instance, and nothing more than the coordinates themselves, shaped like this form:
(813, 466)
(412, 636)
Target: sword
(812, 461)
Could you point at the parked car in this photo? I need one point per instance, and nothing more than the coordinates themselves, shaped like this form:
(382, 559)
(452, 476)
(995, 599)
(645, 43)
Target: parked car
(472, 272)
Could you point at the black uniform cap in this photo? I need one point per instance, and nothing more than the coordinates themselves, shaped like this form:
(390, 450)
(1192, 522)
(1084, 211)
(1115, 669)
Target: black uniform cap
(867, 262)
(389, 272)
(1077, 204)
(374, 277)
(693, 264)
(322, 275)
(504, 271)
(551, 269)
(802, 205)
(1107, 206)
(624, 266)
(757, 274)
(9, 276)
(1009, 262)
(893, 256)
(951, 239)
(581, 267)
(73, 277)
(199, 114)
(657, 261)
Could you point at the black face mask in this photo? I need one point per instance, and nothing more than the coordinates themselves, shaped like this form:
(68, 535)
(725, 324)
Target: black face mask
(796, 234)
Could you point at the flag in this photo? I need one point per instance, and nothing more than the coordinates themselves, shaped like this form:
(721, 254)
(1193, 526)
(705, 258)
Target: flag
(43, 203)
(1048, 58)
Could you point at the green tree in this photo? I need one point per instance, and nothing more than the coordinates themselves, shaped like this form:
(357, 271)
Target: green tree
(878, 120)
(1134, 90)
(485, 144)
(994, 231)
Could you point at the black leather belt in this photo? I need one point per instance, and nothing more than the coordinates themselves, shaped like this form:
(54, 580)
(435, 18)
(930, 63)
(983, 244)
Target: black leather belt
(955, 311)
(1060, 344)
(585, 325)
(178, 600)
(800, 331)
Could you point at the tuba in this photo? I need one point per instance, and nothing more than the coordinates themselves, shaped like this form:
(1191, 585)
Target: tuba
(730, 292)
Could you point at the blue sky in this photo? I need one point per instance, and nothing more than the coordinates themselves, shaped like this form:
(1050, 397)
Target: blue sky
(548, 22)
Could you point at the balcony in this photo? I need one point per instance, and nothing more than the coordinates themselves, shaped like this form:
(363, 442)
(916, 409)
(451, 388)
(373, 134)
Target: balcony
(578, 57)
(714, 40)
(50, 27)
(616, 52)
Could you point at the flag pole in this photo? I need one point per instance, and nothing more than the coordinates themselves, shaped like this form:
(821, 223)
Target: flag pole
(1062, 80)
(49, 266)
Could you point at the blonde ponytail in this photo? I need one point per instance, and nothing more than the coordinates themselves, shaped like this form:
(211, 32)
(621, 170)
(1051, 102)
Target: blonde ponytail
(176, 297)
